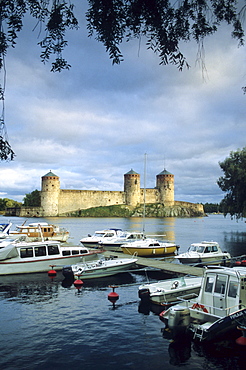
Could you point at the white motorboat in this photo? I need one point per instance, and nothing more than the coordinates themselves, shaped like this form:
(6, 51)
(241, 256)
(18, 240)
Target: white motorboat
(217, 311)
(204, 253)
(92, 241)
(168, 292)
(114, 244)
(5, 229)
(98, 269)
(148, 247)
(20, 257)
(41, 230)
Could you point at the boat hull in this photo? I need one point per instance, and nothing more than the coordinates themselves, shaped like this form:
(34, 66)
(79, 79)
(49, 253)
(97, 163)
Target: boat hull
(32, 238)
(93, 271)
(220, 328)
(167, 292)
(148, 252)
(215, 260)
(9, 267)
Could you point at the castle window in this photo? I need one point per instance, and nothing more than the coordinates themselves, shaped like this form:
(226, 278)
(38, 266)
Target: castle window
(136, 181)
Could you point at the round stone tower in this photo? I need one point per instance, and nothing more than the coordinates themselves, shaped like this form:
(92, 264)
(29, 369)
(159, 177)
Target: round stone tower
(132, 188)
(50, 194)
(165, 185)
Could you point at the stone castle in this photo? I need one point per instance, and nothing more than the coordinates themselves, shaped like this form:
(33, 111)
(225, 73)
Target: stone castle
(56, 201)
(59, 202)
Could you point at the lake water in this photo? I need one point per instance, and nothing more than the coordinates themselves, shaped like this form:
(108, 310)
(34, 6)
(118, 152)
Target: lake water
(46, 324)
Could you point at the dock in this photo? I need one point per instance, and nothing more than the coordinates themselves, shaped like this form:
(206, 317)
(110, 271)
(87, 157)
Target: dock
(166, 267)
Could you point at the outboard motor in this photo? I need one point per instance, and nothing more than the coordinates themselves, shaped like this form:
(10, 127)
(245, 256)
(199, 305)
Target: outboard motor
(144, 294)
(67, 272)
(179, 319)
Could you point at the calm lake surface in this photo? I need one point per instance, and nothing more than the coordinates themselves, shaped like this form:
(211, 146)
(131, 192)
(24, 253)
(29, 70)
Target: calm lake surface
(46, 324)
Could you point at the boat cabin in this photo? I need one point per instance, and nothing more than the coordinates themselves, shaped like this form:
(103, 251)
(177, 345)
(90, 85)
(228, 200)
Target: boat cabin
(208, 247)
(223, 290)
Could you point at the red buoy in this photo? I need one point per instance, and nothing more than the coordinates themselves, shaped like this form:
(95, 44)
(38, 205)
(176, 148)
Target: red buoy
(52, 272)
(113, 296)
(242, 340)
(78, 284)
(243, 262)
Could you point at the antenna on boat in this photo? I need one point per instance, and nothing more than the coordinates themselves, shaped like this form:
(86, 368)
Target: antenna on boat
(145, 159)
(41, 233)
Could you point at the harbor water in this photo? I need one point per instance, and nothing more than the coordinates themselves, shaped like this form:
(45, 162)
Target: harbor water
(47, 324)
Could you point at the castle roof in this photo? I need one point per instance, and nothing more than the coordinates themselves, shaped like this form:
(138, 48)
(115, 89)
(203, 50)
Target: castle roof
(131, 173)
(164, 172)
(50, 174)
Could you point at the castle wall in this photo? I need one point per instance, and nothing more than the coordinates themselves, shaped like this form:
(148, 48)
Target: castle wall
(72, 200)
(151, 196)
(196, 206)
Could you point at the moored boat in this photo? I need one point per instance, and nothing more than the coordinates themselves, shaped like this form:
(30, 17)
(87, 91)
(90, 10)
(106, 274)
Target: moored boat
(168, 292)
(114, 244)
(204, 253)
(92, 241)
(41, 230)
(217, 311)
(25, 257)
(149, 248)
(100, 268)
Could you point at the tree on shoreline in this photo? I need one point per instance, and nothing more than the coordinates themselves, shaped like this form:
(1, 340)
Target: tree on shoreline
(234, 184)
(164, 24)
(32, 199)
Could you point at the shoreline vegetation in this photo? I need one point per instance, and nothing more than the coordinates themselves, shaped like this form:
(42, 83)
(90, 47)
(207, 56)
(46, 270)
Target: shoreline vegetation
(151, 210)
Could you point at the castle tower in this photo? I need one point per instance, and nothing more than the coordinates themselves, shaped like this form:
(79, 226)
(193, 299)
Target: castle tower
(165, 185)
(132, 188)
(50, 194)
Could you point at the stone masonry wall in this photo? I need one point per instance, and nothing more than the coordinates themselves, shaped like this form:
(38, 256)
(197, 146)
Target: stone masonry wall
(72, 200)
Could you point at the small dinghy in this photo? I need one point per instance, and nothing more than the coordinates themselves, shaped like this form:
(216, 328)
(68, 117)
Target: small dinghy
(168, 292)
(100, 268)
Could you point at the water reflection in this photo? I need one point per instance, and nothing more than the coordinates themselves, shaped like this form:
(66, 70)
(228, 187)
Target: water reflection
(179, 351)
(234, 242)
(124, 278)
(29, 288)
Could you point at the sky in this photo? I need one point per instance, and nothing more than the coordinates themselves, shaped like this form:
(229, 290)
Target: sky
(92, 124)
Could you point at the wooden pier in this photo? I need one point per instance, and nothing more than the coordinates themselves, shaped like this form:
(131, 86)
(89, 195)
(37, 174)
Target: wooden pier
(167, 267)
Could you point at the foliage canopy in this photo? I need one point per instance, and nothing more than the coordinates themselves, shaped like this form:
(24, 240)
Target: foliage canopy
(234, 184)
(32, 199)
(164, 24)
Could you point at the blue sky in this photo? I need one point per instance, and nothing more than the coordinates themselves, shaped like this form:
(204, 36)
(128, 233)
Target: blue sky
(93, 123)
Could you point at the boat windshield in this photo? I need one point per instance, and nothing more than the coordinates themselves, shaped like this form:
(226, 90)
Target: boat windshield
(196, 248)
(100, 234)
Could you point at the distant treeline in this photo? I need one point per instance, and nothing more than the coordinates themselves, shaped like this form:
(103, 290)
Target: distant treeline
(8, 203)
(212, 208)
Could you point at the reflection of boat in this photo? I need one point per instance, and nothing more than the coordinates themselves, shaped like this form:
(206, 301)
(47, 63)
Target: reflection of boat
(37, 288)
(218, 310)
(204, 252)
(39, 230)
(169, 291)
(27, 257)
(100, 268)
(4, 229)
(149, 248)
(93, 241)
(114, 244)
